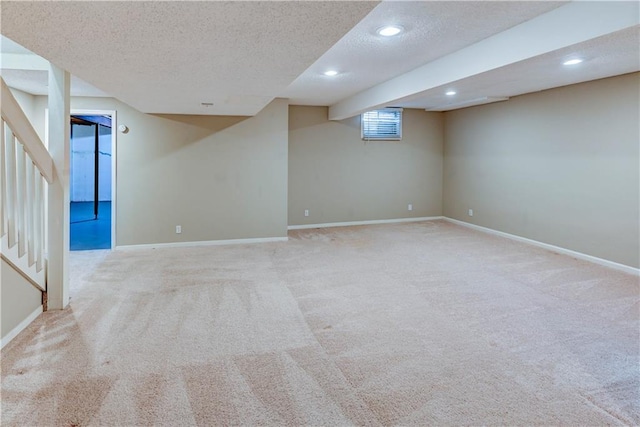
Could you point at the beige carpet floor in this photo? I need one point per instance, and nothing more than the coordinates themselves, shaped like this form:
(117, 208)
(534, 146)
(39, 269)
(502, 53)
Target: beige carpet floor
(410, 324)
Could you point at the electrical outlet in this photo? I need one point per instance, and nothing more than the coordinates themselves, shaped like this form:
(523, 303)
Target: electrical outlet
(178, 229)
(470, 212)
(409, 207)
(306, 212)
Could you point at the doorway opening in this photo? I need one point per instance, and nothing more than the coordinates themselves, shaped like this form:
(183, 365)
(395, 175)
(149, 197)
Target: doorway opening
(91, 181)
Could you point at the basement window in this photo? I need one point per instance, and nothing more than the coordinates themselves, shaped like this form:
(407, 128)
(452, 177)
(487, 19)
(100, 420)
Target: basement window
(382, 125)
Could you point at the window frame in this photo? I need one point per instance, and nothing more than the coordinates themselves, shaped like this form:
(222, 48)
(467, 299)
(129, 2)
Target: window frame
(382, 137)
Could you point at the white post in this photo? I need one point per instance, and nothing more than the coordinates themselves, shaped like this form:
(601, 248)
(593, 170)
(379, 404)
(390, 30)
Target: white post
(58, 196)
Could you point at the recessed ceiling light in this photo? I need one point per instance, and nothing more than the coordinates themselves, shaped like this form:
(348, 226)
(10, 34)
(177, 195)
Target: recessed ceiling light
(572, 62)
(390, 30)
(331, 73)
(450, 93)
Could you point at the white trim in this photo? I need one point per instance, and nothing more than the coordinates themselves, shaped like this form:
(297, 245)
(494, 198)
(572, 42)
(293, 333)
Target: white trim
(21, 326)
(552, 248)
(204, 243)
(371, 222)
(114, 174)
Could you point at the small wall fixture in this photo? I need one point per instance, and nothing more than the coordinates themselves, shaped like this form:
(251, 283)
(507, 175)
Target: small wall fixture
(123, 129)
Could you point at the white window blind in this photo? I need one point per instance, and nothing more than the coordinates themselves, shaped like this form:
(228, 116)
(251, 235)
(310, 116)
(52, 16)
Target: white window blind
(385, 124)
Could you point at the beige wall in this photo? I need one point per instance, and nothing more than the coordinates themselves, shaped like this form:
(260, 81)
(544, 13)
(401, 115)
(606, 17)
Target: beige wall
(18, 298)
(218, 177)
(560, 167)
(338, 177)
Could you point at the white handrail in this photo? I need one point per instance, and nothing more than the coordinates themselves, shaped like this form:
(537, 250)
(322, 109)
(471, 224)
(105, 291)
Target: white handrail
(26, 134)
(25, 169)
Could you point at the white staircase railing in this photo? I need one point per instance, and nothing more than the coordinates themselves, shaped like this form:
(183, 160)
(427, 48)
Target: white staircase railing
(26, 169)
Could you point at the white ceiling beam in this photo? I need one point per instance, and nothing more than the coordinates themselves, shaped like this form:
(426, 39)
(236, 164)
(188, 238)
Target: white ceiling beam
(576, 22)
(23, 61)
(469, 103)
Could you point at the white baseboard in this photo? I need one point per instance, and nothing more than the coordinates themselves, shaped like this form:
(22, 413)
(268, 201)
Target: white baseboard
(350, 223)
(557, 249)
(21, 326)
(204, 243)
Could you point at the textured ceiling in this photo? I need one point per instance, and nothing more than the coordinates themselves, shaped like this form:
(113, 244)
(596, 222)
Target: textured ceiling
(432, 29)
(606, 56)
(562, 31)
(169, 57)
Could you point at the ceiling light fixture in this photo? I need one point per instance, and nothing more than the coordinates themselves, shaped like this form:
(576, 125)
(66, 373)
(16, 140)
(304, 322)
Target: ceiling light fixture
(331, 73)
(390, 30)
(572, 61)
(450, 93)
